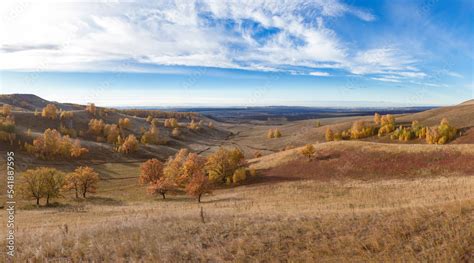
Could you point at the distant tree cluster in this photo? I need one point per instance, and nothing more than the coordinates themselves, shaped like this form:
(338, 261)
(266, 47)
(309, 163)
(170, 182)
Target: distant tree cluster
(52, 145)
(66, 115)
(48, 183)
(362, 129)
(273, 133)
(441, 134)
(159, 114)
(171, 123)
(189, 173)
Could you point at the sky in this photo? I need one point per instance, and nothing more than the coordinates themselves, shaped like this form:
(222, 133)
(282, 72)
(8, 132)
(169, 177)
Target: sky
(239, 53)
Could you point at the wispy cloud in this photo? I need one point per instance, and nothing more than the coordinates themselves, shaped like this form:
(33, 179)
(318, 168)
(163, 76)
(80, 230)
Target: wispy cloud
(319, 74)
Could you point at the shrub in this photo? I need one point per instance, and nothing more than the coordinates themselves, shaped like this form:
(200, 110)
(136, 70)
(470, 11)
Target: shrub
(210, 125)
(50, 111)
(317, 124)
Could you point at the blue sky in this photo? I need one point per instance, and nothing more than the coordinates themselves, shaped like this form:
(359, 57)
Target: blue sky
(221, 53)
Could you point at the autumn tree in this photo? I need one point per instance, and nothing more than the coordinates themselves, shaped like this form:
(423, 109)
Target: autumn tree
(317, 124)
(96, 127)
(270, 134)
(6, 109)
(124, 123)
(276, 133)
(66, 115)
(7, 129)
(222, 164)
(83, 180)
(441, 134)
(210, 125)
(329, 135)
(111, 132)
(152, 136)
(308, 151)
(50, 111)
(193, 125)
(150, 171)
(239, 175)
(361, 129)
(129, 145)
(171, 123)
(176, 133)
(52, 145)
(377, 118)
(387, 123)
(91, 108)
(40, 183)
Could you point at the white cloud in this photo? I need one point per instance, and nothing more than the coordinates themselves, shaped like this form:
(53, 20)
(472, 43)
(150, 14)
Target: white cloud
(93, 36)
(319, 74)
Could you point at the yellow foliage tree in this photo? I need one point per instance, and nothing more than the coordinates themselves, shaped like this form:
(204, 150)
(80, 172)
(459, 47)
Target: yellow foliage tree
(50, 111)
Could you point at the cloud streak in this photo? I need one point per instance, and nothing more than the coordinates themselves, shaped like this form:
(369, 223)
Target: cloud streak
(250, 35)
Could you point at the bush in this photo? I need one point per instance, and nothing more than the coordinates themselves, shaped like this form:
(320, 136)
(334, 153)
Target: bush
(66, 115)
(171, 123)
(124, 123)
(194, 125)
(111, 132)
(176, 133)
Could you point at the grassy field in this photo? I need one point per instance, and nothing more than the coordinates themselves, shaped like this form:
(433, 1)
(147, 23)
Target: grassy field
(425, 219)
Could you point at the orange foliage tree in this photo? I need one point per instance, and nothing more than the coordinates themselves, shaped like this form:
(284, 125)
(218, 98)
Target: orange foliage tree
(83, 180)
(52, 145)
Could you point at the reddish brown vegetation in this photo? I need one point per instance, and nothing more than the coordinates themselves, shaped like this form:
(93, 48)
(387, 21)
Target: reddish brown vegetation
(375, 165)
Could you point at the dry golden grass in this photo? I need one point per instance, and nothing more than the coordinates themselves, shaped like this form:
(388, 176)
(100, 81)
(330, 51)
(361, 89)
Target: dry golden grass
(387, 220)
